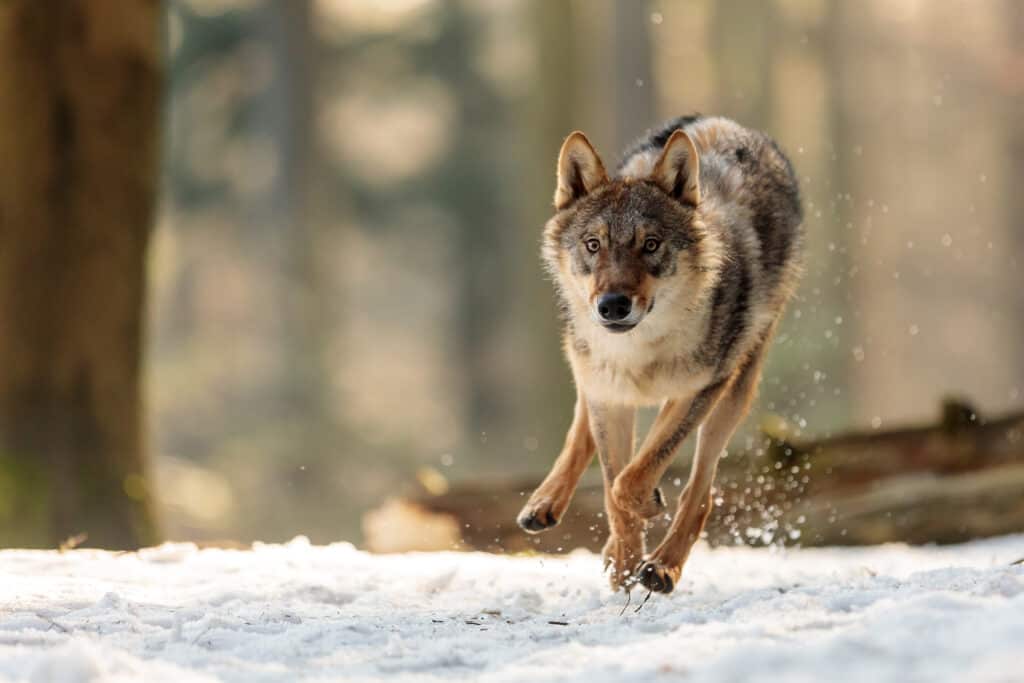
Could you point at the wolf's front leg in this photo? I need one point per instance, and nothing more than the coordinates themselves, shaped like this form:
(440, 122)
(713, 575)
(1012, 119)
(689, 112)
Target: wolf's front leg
(635, 488)
(660, 572)
(551, 499)
(625, 546)
(612, 427)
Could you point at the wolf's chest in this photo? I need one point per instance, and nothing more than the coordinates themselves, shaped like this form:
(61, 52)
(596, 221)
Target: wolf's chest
(618, 371)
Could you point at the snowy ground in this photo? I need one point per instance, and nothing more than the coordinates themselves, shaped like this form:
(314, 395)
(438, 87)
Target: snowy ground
(300, 613)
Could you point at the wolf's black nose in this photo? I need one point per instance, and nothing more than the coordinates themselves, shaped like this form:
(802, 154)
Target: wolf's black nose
(613, 306)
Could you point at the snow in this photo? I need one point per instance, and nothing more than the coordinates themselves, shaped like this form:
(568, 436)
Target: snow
(297, 612)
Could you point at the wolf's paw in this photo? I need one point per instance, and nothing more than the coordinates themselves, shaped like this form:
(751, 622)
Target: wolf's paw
(658, 577)
(620, 556)
(540, 513)
(640, 501)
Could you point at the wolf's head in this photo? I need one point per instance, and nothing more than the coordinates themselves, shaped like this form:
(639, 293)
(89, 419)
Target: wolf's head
(619, 247)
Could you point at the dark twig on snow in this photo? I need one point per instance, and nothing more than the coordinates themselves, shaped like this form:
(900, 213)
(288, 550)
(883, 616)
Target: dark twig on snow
(629, 596)
(641, 605)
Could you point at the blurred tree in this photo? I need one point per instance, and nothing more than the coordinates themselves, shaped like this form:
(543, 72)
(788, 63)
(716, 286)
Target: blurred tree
(1013, 81)
(549, 394)
(743, 69)
(297, 223)
(614, 103)
(79, 92)
(468, 185)
(633, 92)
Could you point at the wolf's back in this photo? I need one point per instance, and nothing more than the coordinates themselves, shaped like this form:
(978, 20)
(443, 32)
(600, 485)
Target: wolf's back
(742, 165)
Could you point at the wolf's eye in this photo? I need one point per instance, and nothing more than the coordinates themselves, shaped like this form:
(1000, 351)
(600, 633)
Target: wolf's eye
(651, 245)
(593, 245)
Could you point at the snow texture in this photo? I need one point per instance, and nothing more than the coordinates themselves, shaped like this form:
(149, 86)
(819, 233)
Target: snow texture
(297, 612)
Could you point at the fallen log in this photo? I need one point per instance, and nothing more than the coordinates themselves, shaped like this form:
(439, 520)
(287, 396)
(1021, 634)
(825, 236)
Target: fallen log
(918, 509)
(962, 478)
(961, 442)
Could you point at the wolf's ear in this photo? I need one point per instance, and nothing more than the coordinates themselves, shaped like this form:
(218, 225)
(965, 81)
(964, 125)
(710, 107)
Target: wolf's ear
(677, 170)
(580, 170)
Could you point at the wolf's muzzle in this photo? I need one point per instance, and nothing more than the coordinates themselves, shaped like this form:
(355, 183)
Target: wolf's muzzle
(614, 307)
(616, 313)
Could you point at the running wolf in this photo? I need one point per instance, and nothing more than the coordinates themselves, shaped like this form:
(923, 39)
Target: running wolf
(671, 275)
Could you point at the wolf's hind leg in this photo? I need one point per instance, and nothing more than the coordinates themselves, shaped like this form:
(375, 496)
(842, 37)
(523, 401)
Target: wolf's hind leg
(551, 499)
(661, 571)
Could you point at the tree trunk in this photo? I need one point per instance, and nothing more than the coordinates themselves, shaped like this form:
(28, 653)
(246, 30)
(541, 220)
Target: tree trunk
(634, 89)
(548, 393)
(79, 92)
(745, 60)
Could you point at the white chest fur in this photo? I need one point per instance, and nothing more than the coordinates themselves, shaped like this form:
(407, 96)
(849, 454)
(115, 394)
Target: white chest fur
(642, 367)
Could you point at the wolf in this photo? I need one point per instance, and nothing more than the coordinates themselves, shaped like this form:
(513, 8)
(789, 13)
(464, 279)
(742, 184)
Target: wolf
(671, 275)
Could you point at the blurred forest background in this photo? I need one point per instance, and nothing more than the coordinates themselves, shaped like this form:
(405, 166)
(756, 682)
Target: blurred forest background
(345, 295)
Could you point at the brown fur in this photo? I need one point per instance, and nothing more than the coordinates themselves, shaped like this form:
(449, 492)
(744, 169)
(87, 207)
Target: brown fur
(699, 231)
